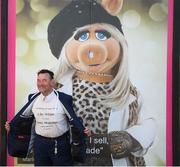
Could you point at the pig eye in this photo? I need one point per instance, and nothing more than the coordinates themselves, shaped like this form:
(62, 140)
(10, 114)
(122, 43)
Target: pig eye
(102, 35)
(82, 36)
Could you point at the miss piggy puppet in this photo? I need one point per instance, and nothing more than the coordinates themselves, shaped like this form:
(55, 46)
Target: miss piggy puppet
(87, 39)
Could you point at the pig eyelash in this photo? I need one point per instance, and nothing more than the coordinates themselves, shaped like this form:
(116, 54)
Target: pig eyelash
(102, 35)
(106, 33)
(82, 36)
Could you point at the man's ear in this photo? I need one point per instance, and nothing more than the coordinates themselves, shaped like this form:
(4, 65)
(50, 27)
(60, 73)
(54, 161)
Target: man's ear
(55, 84)
(113, 7)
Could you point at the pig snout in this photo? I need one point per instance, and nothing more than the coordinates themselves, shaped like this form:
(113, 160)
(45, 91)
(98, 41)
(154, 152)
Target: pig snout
(92, 54)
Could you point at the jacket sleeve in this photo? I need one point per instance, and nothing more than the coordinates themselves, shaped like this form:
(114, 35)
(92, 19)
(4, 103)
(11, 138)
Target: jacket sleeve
(144, 131)
(20, 133)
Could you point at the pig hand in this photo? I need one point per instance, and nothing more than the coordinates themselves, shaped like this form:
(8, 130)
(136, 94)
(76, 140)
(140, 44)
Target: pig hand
(122, 144)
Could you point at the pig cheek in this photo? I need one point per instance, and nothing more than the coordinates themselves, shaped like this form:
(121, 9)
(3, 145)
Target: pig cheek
(113, 49)
(71, 52)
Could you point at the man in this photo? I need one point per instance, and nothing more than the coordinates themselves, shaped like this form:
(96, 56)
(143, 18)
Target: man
(50, 109)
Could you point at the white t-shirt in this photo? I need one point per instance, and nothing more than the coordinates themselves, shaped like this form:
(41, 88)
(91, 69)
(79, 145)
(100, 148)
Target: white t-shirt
(50, 116)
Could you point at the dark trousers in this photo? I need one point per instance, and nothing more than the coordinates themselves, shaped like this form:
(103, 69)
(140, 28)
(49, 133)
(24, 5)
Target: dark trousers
(52, 151)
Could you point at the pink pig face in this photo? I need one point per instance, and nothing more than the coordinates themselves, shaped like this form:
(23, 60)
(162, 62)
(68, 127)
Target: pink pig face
(93, 49)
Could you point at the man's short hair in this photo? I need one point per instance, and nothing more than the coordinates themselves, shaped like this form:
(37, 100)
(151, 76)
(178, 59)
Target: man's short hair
(44, 71)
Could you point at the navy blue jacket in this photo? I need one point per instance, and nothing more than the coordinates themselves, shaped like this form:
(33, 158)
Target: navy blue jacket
(20, 137)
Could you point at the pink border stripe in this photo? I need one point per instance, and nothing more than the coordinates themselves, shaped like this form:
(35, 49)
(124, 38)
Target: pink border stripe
(11, 64)
(169, 153)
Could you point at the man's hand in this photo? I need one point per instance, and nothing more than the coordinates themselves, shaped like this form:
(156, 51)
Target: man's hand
(7, 126)
(87, 131)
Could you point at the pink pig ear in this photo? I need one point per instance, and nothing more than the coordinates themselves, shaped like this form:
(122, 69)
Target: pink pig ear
(113, 7)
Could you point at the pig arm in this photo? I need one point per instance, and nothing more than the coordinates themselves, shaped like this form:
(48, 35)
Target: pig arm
(144, 131)
(135, 139)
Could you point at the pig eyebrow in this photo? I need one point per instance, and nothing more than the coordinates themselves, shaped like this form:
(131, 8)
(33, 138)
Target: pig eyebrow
(79, 33)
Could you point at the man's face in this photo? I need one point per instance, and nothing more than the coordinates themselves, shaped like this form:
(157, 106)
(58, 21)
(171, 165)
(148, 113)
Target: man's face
(45, 83)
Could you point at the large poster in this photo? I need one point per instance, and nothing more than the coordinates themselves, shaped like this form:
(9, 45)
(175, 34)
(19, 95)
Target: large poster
(112, 59)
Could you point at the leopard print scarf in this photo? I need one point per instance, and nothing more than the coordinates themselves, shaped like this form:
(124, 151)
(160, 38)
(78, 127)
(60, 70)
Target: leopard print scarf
(133, 118)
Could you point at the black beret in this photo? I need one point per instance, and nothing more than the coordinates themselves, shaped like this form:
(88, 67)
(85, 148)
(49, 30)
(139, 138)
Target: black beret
(77, 14)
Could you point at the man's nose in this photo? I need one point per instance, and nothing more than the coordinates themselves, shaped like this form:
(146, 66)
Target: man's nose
(40, 83)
